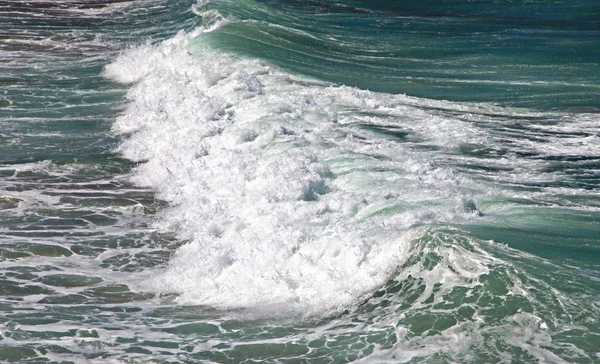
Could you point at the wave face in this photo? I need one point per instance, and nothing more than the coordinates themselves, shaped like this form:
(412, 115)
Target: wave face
(304, 181)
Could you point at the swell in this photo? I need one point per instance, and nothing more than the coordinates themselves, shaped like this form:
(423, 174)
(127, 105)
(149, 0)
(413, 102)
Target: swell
(523, 62)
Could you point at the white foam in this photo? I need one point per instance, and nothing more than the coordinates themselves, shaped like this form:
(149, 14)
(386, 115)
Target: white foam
(287, 196)
(245, 155)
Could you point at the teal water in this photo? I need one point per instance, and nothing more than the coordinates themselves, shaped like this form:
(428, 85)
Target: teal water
(283, 181)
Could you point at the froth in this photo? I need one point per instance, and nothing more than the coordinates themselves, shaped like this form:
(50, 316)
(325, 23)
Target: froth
(285, 201)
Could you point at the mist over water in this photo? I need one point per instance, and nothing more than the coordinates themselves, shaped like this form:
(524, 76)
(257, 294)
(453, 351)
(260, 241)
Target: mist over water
(279, 181)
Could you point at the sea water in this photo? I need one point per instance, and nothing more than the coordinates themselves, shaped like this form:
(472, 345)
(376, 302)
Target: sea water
(283, 181)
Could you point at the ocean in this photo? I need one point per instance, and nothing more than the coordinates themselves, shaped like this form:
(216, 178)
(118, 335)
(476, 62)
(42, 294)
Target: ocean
(284, 181)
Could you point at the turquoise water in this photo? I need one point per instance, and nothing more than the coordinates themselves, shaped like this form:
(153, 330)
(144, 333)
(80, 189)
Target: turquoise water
(283, 181)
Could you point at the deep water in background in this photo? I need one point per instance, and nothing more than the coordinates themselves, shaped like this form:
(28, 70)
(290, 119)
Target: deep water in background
(539, 54)
(286, 181)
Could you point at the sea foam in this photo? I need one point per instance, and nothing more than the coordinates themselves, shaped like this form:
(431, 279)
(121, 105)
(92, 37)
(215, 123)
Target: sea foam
(286, 196)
